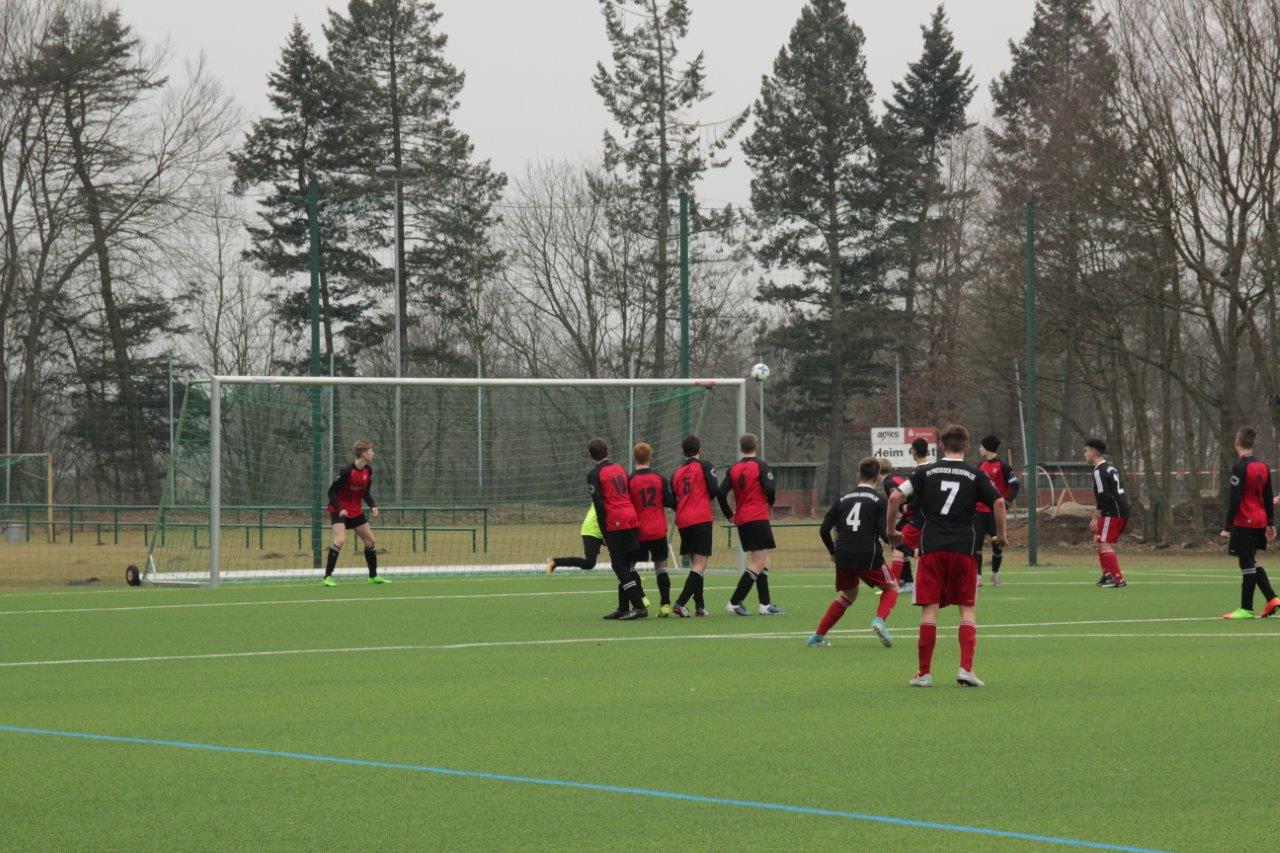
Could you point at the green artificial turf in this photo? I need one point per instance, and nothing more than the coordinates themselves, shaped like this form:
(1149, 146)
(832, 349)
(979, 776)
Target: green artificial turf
(1137, 730)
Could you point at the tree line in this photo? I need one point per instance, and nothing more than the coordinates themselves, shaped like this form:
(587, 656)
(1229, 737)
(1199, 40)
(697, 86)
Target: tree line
(884, 233)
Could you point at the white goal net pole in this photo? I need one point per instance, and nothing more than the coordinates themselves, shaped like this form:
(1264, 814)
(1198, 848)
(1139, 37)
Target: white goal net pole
(215, 418)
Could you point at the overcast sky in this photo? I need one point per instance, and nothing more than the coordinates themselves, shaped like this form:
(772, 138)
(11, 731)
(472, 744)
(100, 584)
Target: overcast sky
(529, 62)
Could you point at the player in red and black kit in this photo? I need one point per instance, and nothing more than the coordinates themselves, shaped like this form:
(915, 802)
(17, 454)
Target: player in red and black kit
(909, 524)
(1006, 483)
(611, 495)
(1111, 516)
(949, 491)
(346, 512)
(857, 517)
(1250, 525)
(750, 482)
(651, 496)
(694, 487)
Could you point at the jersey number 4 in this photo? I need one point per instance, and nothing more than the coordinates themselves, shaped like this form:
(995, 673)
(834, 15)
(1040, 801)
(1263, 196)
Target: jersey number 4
(854, 519)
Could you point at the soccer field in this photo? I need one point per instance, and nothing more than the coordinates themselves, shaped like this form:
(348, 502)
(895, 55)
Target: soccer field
(504, 713)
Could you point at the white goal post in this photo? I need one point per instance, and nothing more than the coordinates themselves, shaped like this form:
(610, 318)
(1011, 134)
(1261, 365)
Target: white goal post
(218, 383)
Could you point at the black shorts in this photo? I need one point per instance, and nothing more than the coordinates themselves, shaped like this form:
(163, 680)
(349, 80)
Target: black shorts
(656, 550)
(1246, 541)
(351, 522)
(984, 524)
(866, 561)
(756, 536)
(622, 544)
(696, 539)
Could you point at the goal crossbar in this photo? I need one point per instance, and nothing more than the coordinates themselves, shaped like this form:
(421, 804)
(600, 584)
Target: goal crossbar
(215, 416)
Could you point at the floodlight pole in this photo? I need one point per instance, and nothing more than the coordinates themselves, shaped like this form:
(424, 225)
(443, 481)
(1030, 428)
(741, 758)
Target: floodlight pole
(8, 436)
(1030, 449)
(742, 427)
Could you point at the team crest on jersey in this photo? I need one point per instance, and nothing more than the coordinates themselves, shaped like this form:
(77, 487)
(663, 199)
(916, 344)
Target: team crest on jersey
(1235, 481)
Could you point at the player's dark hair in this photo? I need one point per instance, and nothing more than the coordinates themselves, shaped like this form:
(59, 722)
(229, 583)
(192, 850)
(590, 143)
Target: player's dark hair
(991, 443)
(954, 438)
(692, 445)
(868, 470)
(642, 453)
(598, 449)
(920, 448)
(1097, 444)
(748, 443)
(1247, 437)
(358, 449)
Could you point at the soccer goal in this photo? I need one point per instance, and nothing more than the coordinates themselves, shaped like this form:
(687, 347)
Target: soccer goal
(471, 476)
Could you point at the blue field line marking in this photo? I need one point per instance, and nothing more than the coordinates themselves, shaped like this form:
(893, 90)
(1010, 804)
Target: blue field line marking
(584, 786)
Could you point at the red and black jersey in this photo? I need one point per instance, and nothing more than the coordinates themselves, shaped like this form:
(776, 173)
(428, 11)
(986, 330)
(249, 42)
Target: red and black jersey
(1250, 504)
(611, 494)
(351, 487)
(694, 487)
(651, 496)
(949, 491)
(1002, 477)
(1107, 491)
(910, 514)
(751, 482)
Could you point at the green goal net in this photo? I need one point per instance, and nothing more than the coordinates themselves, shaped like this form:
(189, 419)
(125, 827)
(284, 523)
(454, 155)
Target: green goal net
(470, 476)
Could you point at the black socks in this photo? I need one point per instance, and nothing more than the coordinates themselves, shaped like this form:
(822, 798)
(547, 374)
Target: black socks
(692, 589)
(331, 562)
(997, 557)
(745, 583)
(762, 587)
(664, 586)
(371, 560)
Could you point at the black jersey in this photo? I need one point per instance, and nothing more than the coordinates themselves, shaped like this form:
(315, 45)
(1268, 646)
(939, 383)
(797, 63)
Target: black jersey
(1107, 491)
(948, 493)
(858, 520)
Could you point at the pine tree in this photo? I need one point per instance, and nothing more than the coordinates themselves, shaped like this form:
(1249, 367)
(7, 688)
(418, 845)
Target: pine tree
(1056, 141)
(926, 113)
(660, 152)
(401, 94)
(818, 194)
(302, 141)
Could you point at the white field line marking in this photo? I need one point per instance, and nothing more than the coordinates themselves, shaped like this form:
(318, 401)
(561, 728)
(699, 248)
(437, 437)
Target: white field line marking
(565, 641)
(478, 595)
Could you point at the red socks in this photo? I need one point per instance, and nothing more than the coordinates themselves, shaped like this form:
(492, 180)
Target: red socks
(1110, 564)
(968, 642)
(895, 568)
(924, 645)
(888, 599)
(834, 611)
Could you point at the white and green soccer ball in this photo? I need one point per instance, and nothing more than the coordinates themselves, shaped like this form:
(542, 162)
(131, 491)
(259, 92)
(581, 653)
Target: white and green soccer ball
(760, 372)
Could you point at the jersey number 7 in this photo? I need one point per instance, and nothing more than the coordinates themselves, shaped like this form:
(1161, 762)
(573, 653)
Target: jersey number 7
(952, 488)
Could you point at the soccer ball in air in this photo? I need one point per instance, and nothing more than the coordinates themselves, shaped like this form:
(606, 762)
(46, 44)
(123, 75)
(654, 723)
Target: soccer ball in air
(760, 372)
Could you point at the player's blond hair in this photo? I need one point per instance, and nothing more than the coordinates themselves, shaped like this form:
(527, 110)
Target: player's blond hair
(360, 447)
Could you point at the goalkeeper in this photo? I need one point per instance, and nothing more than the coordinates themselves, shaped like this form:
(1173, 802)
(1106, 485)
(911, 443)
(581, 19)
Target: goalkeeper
(347, 497)
(592, 540)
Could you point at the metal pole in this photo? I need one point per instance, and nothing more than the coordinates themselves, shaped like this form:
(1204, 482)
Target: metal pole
(631, 407)
(399, 355)
(1032, 460)
(171, 459)
(8, 437)
(742, 427)
(761, 384)
(215, 476)
(333, 391)
(897, 384)
(684, 306)
(317, 484)
(1022, 418)
(479, 425)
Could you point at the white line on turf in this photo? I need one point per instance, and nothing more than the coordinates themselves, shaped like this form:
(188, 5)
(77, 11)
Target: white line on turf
(131, 608)
(566, 641)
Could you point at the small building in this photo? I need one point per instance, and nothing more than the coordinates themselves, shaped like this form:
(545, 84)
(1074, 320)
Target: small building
(796, 487)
